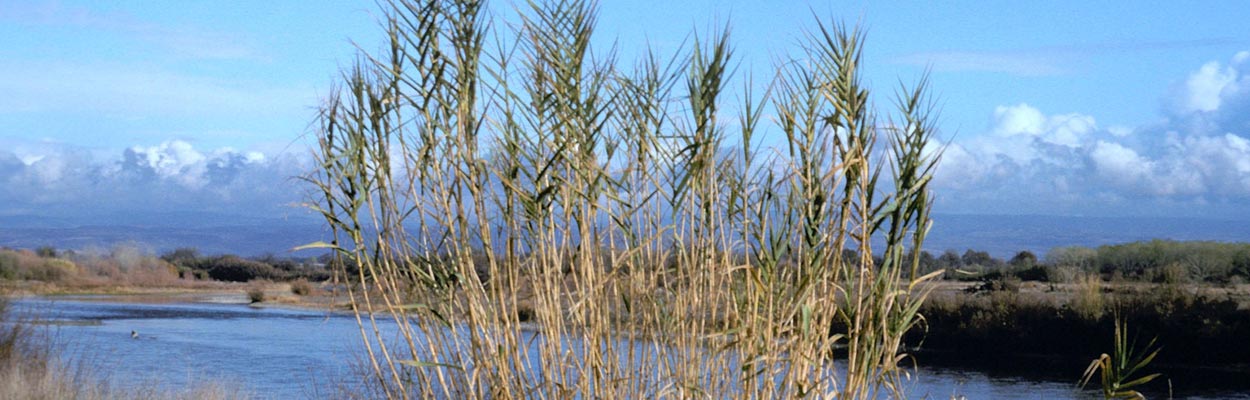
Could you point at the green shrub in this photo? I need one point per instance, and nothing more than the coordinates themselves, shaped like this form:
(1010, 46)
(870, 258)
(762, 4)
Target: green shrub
(1037, 273)
(8, 265)
(235, 269)
(51, 270)
(1171, 274)
(46, 252)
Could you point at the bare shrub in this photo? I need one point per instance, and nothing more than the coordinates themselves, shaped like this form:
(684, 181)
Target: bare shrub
(256, 294)
(301, 287)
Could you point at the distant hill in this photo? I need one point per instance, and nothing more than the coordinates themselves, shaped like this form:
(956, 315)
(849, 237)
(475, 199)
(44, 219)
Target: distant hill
(1001, 235)
(211, 234)
(1004, 235)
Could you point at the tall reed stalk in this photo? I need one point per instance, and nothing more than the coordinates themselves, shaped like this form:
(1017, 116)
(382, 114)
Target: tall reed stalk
(535, 221)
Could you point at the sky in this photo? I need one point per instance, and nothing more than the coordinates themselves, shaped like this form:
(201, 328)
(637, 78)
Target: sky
(120, 109)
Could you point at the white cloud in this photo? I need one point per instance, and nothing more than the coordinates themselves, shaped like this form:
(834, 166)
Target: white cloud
(1024, 134)
(959, 169)
(1212, 86)
(1120, 164)
(1203, 87)
(1031, 161)
(174, 160)
(1020, 119)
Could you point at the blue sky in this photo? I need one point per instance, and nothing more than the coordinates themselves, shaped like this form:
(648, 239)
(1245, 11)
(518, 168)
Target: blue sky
(1063, 108)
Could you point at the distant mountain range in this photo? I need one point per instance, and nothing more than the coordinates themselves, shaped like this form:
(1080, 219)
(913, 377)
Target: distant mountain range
(1001, 235)
(1004, 235)
(209, 232)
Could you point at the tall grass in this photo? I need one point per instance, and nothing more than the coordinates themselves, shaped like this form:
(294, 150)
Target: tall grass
(1087, 299)
(653, 242)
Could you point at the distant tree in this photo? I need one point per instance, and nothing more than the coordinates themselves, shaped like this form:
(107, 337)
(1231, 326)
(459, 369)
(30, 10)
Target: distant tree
(1072, 256)
(1023, 259)
(8, 265)
(982, 258)
(46, 252)
(927, 262)
(1241, 264)
(949, 260)
(850, 255)
(284, 264)
(182, 256)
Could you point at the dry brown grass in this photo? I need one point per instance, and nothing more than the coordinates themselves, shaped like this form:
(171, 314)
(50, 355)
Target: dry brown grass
(1087, 298)
(301, 287)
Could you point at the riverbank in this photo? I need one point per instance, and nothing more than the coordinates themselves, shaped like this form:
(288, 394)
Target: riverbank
(1195, 324)
(272, 294)
(309, 354)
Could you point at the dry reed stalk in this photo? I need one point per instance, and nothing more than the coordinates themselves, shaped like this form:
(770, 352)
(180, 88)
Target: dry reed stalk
(604, 205)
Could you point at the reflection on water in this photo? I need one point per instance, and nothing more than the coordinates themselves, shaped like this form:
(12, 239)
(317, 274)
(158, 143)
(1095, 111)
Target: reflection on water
(284, 353)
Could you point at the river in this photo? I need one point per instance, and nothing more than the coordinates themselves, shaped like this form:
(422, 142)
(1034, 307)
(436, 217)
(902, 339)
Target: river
(284, 353)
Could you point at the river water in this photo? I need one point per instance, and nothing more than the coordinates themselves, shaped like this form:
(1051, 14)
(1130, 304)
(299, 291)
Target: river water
(286, 353)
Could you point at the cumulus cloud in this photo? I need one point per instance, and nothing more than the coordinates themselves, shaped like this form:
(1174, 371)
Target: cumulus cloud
(172, 176)
(1203, 87)
(1196, 161)
(1119, 164)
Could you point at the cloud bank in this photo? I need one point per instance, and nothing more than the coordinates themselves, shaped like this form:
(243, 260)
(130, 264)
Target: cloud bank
(64, 181)
(1193, 162)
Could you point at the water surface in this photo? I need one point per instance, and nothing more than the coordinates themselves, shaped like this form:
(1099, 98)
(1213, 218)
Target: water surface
(288, 353)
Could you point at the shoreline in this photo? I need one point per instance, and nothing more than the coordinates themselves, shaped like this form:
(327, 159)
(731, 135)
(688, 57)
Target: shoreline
(1011, 315)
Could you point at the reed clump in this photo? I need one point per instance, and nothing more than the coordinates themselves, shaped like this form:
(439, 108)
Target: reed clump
(538, 221)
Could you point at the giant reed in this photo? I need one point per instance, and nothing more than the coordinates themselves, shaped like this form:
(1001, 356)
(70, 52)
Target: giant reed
(659, 245)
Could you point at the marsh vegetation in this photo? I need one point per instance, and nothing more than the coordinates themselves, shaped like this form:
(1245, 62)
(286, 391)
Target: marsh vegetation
(534, 182)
